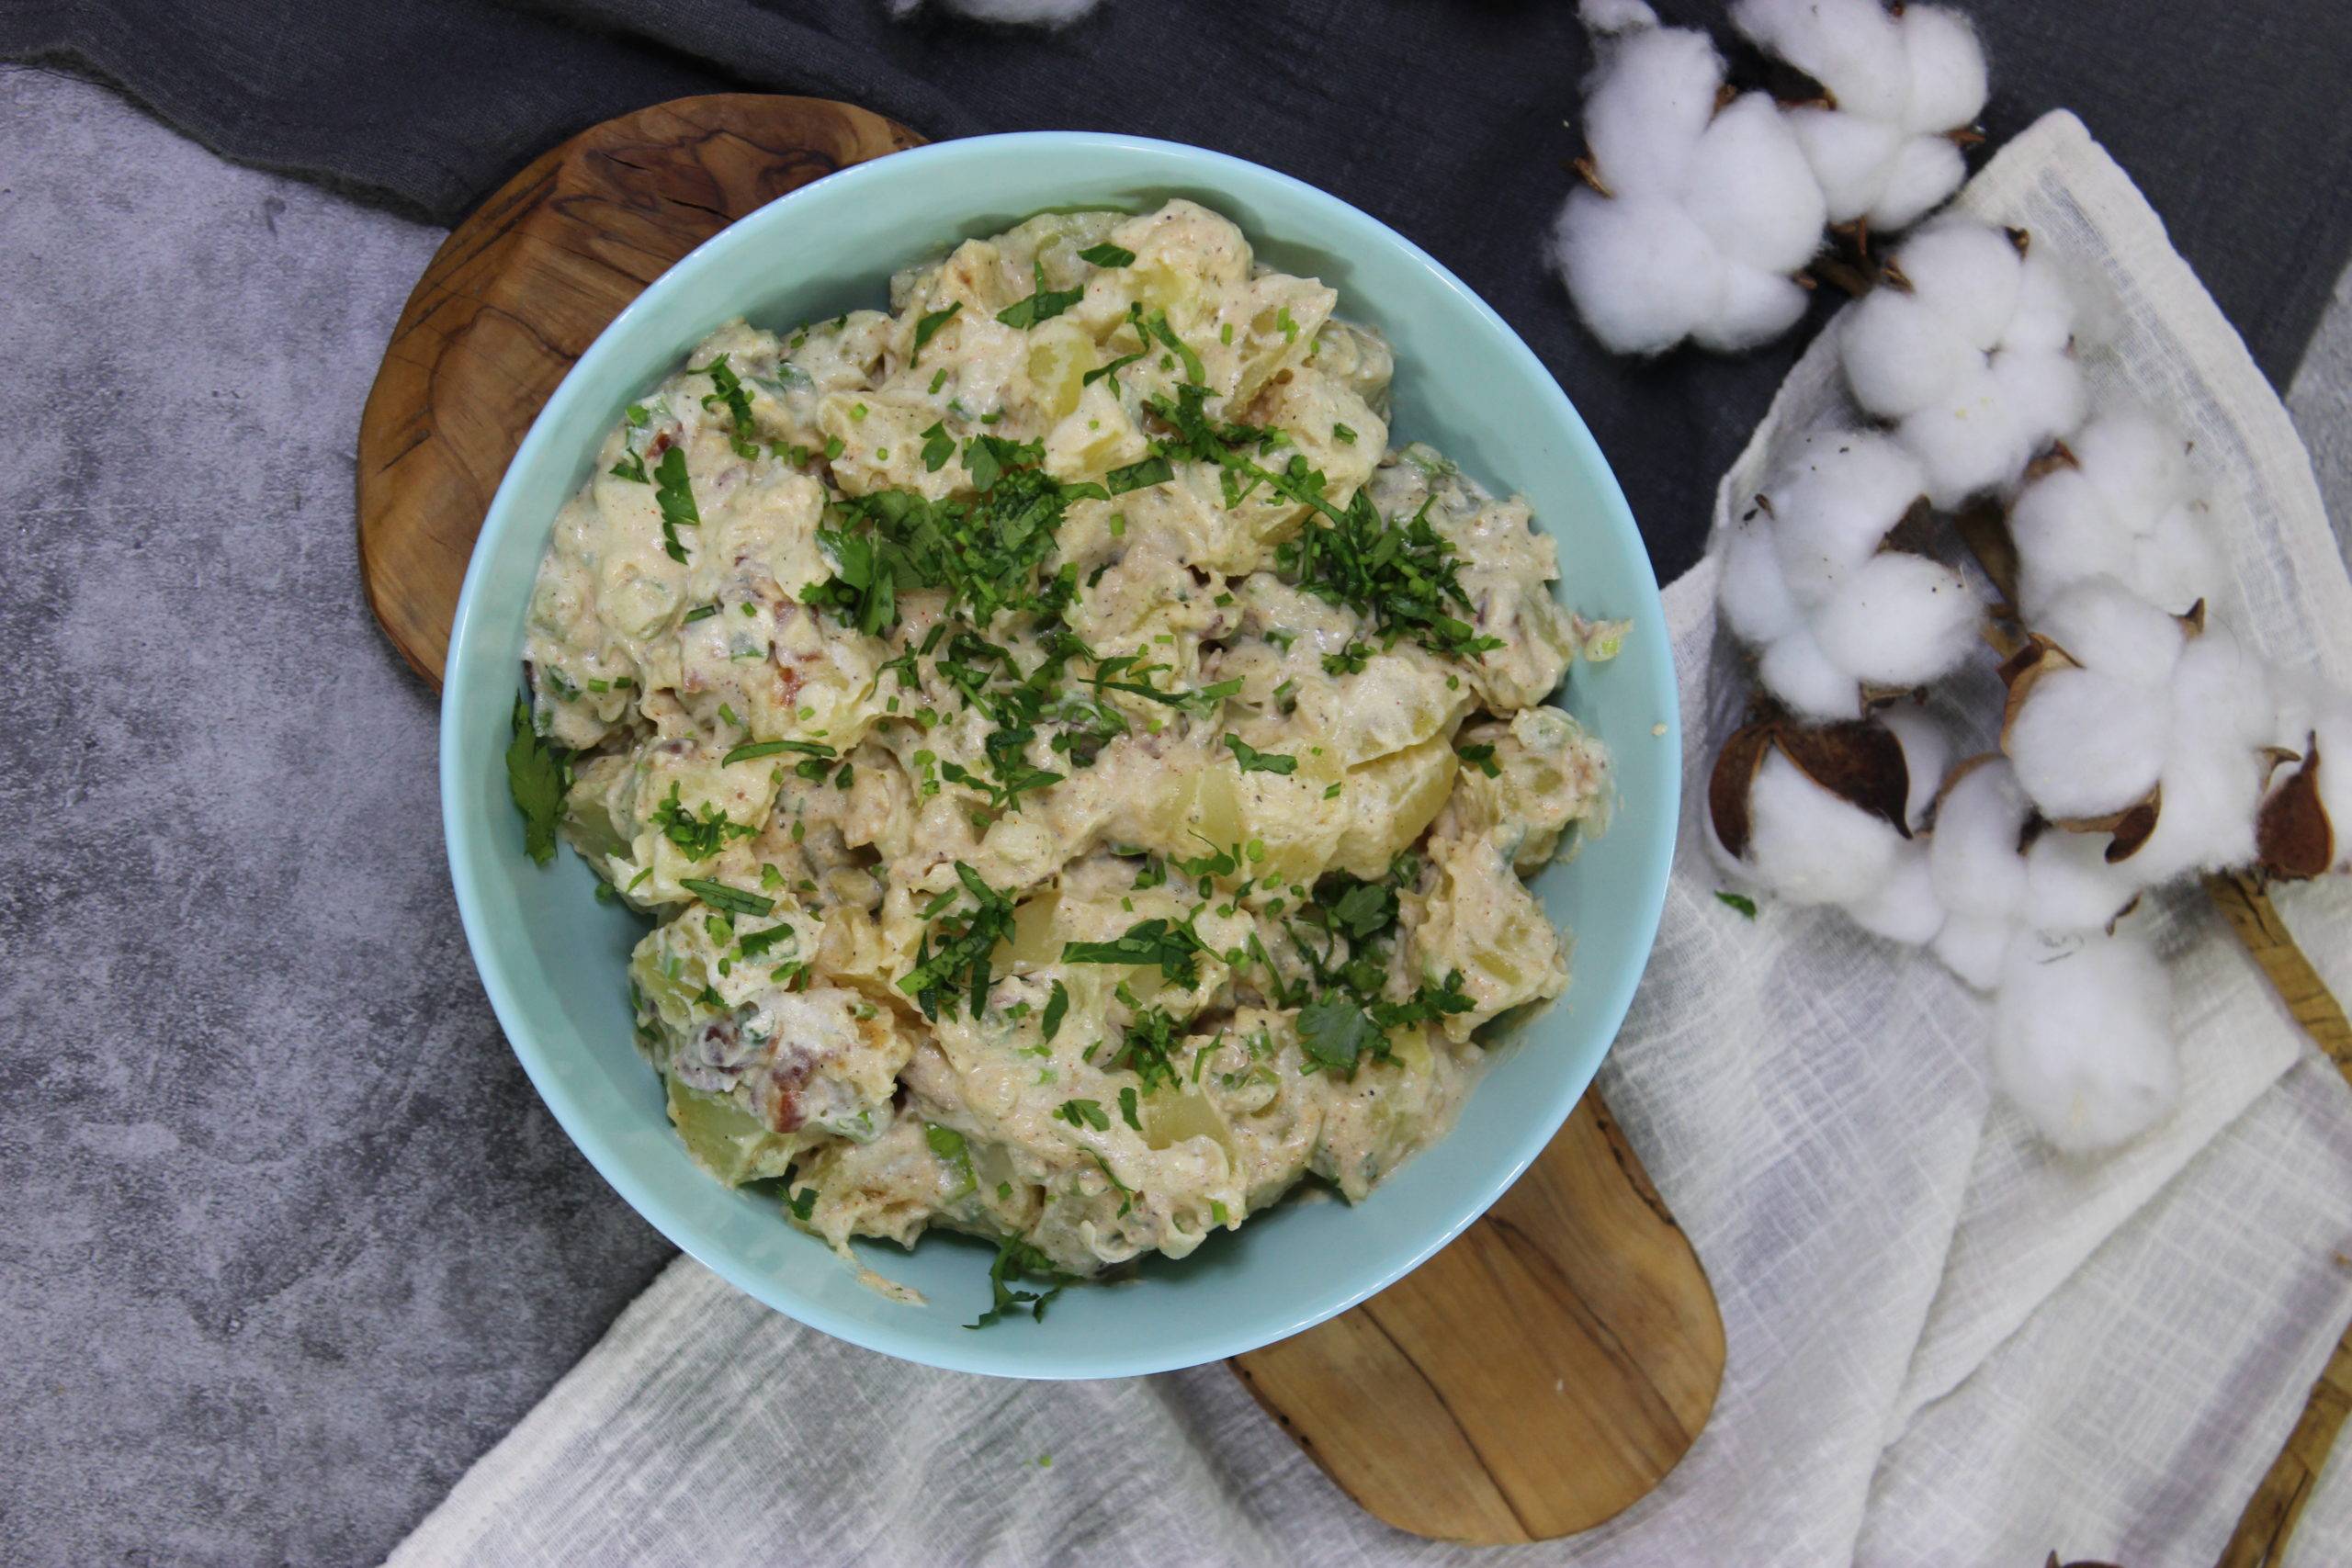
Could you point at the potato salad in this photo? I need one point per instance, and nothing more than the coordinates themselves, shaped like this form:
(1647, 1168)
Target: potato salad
(1080, 771)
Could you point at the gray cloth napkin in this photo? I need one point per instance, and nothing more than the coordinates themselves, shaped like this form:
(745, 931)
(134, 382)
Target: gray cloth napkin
(1947, 1344)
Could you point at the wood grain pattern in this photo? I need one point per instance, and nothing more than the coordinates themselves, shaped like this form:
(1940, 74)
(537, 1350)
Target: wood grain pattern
(1534, 1378)
(519, 290)
(1540, 1375)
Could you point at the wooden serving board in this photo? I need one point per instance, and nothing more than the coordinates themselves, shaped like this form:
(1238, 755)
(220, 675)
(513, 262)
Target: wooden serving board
(1536, 1377)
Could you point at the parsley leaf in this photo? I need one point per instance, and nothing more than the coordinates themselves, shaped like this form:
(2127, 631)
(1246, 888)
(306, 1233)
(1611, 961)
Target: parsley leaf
(1057, 1008)
(1042, 306)
(937, 447)
(1480, 756)
(734, 900)
(1084, 1113)
(675, 493)
(1107, 255)
(1167, 943)
(1016, 1259)
(1147, 1049)
(538, 773)
(1100, 371)
(949, 1145)
(1335, 1032)
(700, 837)
(1253, 761)
(1127, 1108)
(802, 1204)
(956, 967)
(739, 402)
(928, 326)
(1136, 476)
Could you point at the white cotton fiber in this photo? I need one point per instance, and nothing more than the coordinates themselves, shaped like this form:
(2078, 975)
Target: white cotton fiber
(1966, 347)
(2105, 627)
(1810, 847)
(1755, 596)
(2127, 507)
(1707, 213)
(1794, 669)
(1904, 907)
(1615, 16)
(1640, 269)
(1973, 856)
(2070, 885)
(1806, 582)
(1902, 620)
(1898, 85)
(1040, 13)
(1927, 754)
(1971, 946)
(2086, 744)
(2082, 1038)
(1900, 355)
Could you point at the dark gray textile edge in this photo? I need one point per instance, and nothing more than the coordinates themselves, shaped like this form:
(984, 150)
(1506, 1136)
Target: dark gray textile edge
(1441, 117)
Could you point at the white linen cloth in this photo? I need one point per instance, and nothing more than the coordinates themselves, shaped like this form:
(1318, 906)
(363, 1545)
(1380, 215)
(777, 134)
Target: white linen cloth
(1947, 1344)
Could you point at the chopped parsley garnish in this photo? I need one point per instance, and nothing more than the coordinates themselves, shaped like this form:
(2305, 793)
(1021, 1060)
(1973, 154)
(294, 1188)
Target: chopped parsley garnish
(734, 900)
(1136, 476)
(756, 944)
(700, 613)
(1400, 576)
(1016, 1259)
(1155, 325)
(1127, 1108)
(802, 1204)
(1168, 943)
(949, 1145)
(1057, 1008)
(631, 467)
(937, 447)
(700, 837)
(1335, 1032)
(1253, 761)
(1146, 1049)
(1739, 901)
(1481, 756)
(539, 774)
(1084, 1113)
(952, 962)
(1107, 255)
(1343, 436)
(1100, 371)
(926, 328)
(675, 493)
(1042, 306)
(739, 403)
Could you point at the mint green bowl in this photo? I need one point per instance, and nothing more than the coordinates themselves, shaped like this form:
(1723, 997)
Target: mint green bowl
(551, 957)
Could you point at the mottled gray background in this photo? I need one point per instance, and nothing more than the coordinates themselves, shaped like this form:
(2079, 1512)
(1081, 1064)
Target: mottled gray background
(286, 1239)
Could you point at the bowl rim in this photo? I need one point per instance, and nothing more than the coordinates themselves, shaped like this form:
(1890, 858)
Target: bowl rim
(1607, 1003)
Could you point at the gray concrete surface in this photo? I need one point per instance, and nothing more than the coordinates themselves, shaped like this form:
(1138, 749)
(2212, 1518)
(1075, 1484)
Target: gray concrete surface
(285, 1240)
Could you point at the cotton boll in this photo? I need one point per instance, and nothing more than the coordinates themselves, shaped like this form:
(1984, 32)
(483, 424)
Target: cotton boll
(2105, 627)
(1904, 620)
(1966, 273)
(1810, 847)
(1850, 47)
(1926, 753)
(1753, 308)
(2176, 563)
(1751, 189)
(1904, 907)
(2086, 745)
(1971, 947)
(2070, 886)
(2222, 694)
(1834, 498)
(2044, 318)
(1899, 353)
(1648, 105)
(1973, 855)
(2064, 535)
(1808, 681)
(1968, 442)
(1851, 158)
(1923, 172)
(2082, 1038)
(1641, 272)
(2205, 815)
(1754, 595)
(1947, 78)
(2136, 465)
(2044, 391)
